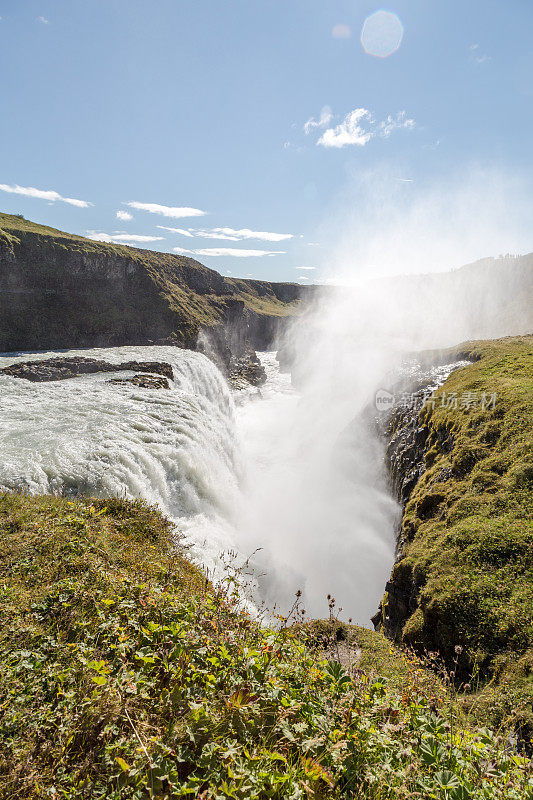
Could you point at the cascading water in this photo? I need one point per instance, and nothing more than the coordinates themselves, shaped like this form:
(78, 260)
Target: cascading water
(175, 448)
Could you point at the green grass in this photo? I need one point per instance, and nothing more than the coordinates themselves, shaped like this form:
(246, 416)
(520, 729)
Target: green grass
(123, 674)
(469, 526)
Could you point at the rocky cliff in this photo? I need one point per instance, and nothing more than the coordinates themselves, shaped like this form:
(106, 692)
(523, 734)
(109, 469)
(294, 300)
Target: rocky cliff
(58, 290)
(462, 468)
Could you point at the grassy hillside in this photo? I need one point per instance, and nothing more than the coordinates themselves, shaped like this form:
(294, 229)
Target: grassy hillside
(124, 675)
(467, 567)
(59, 289)
(261, 296)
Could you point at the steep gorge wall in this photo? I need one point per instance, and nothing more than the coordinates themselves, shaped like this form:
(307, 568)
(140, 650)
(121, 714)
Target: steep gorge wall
(56, 296)
(63, 291)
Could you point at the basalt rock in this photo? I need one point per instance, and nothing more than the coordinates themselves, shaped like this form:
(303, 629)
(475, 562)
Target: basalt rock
(406, 447)
(407, 444)
(248, 369)
(58, 369)
(144, 381)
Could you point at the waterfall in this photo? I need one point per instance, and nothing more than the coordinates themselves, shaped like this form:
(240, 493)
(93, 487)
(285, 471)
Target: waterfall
(177, 449)
(280, 472)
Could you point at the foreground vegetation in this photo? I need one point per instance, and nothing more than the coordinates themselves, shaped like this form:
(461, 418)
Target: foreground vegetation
(123, 674)
(468, 562)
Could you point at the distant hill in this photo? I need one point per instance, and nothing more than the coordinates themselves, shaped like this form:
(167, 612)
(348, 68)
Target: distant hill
(487, 299)
(58, 290)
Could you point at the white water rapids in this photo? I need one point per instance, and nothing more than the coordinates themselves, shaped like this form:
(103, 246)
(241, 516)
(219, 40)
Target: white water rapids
(234, 474)
(175, 448)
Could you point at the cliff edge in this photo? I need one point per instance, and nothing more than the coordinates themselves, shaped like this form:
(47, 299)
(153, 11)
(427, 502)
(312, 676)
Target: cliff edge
(462, 585)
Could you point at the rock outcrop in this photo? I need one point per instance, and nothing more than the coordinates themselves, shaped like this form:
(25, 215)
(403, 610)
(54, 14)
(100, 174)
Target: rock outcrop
(143, 381)
(247, 370)
(58, 369)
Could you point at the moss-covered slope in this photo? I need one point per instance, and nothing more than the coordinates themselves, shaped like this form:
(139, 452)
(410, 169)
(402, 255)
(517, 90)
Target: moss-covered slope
(61, 290)
(124, 675)
(464, 578)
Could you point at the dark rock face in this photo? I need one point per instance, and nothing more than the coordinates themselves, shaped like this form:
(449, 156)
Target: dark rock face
(249, 369)
(59, 291)
(406, 448)
(55, 295)
(405, 460)
(244, 331)
(264, 331)
(144, 381)
(58, 369)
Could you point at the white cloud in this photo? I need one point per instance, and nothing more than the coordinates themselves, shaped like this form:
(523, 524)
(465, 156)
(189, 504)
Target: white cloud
(395, 123)
(244, 233)
(122, 238)
(341, 31)
(43, 194)
(181, 231)
(304, 267)
(290, 146)
(230, 234)
(228, 251)
(432, 146)
(476, 57)
(176, 212)
(125, 216)
(43, 20)
(325, 118)
(349, 131)
(360, 126)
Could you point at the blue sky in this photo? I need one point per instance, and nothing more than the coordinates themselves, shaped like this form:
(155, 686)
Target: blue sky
(267, 115)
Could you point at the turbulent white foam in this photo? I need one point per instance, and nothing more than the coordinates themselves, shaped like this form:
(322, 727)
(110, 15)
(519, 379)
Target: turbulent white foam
(175, 448)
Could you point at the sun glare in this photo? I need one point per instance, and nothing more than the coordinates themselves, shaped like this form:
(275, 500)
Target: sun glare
(382, 34)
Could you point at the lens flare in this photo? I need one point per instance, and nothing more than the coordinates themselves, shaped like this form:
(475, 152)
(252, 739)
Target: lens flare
(382, 34)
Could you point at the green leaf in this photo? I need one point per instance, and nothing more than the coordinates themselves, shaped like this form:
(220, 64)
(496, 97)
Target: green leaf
(446, 779)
